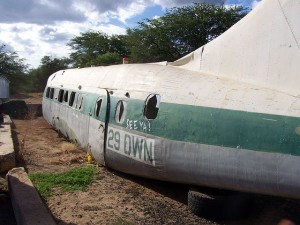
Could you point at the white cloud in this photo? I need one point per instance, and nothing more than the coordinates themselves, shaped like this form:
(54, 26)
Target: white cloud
(111, 29)
(91, 12)
(135, 8)
(35, 28)
(32, 41)
(255, 3)
(245, 3)
(174, 3)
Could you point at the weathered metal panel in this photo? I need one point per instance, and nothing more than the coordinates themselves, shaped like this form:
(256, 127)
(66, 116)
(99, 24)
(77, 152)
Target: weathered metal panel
(214, 166)
(4, 88)
(97, 125)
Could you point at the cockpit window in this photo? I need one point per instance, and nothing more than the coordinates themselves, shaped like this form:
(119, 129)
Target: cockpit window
(72, 98)
(66, 95)
(51, 93)
(48, 92)
(60, 95)
(152, 106)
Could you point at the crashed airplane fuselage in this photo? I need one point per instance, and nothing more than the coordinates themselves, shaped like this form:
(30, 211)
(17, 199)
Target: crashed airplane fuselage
(226, 116)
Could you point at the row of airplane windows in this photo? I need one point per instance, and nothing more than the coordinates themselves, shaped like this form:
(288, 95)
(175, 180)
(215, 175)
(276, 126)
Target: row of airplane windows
(150, 109)
(63, 96)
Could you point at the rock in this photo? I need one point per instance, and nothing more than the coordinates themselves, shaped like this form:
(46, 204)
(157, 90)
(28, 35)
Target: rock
(27, 204)
(17, 109)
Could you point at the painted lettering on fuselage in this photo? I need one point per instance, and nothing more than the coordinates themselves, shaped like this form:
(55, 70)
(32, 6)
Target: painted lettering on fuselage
(138, 125)
(131, 145)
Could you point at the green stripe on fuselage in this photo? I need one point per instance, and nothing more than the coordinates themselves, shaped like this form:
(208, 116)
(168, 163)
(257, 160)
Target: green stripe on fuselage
(220, 127)
(211, 126)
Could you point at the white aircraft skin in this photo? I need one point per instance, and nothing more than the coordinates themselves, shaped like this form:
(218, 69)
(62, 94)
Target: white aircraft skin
(225, 116)
(4, 89)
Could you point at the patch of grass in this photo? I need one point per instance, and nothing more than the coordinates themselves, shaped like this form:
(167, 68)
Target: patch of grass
(120, 221)
(69, 181)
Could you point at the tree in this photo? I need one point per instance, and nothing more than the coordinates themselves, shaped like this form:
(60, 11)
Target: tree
(180, 31)
(150, 42)
(49, 65)
(117, 44)
(106, 59)
(14, 69)
(97, 49)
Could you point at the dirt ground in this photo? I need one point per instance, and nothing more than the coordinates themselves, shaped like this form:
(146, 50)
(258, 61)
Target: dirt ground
(114, 195)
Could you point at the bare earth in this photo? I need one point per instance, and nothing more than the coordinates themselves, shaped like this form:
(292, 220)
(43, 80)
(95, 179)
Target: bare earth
(114, 195)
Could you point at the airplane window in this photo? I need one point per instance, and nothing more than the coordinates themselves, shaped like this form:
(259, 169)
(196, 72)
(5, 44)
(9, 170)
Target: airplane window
(152, 106)
(66, 95)
(51, 93)
(98, 106)
(60, 95)
(80, 101)
(120, 111)
(77, 100)
(72, 98)
(48, 92)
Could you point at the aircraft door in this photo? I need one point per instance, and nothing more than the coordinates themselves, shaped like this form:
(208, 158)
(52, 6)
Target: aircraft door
(97, 127)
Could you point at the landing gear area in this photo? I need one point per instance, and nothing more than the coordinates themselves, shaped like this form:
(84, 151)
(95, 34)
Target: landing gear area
(219, 204)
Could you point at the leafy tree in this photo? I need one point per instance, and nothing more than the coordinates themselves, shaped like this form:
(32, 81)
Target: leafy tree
(48, 66)
(150, 43)
(106, 59)
(180, 31)
(97, 49)
(14, 69)
(117, 44)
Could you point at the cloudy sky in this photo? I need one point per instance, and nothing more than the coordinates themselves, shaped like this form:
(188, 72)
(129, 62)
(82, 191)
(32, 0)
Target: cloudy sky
(35, 28)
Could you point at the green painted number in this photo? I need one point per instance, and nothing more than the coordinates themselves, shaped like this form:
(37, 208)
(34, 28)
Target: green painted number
(117, 140)
(110, 138)
(113, 141)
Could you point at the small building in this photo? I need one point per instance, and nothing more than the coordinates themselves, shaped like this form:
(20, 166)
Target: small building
(4, 89)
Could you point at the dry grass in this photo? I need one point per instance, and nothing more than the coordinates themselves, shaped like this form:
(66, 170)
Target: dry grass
(68, 160)
(68, 155)
(31, 114)
(68, 147)
(22, 144)
(20, 153)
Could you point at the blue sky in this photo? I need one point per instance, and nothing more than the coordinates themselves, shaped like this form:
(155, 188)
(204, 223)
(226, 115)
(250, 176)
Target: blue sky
(35, 28)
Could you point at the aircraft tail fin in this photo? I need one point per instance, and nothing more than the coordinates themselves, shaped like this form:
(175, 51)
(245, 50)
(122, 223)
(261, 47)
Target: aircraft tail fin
(262, 48)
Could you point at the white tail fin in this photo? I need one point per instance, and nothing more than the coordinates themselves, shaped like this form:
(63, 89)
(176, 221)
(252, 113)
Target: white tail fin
(263, 48)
